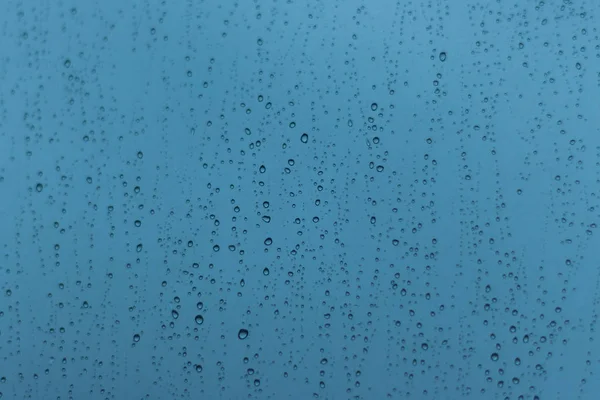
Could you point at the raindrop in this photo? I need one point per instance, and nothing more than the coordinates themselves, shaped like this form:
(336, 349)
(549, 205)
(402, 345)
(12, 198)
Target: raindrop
(39, 187)
(304, 138)
(136, 338)
(199, 319)
(242, 334)
(443, 56)
(494, 356)
(266, 271)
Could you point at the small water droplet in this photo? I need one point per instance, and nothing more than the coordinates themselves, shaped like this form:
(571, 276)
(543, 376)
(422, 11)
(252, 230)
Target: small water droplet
(242, 334)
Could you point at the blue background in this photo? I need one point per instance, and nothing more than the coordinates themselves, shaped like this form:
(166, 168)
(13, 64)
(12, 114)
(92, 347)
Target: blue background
(432, 236)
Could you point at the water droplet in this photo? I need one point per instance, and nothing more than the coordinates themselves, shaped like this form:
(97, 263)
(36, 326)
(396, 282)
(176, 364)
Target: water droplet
(136, 338)
(374, 107)
(443, 56)
(199, 319)
(174, 314)
(494, 356)
(242, 334)
(304, 138)
(266, 271)
(39, 187)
